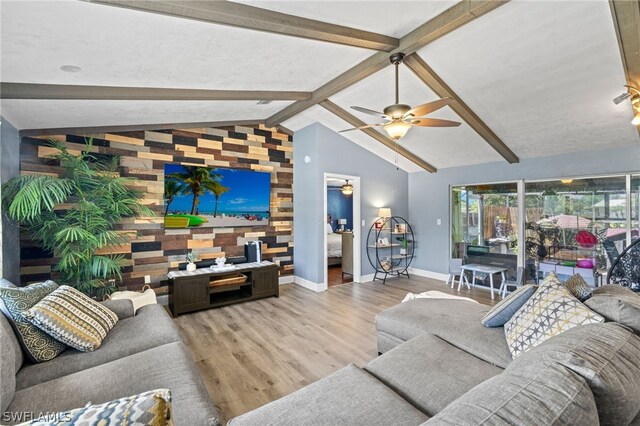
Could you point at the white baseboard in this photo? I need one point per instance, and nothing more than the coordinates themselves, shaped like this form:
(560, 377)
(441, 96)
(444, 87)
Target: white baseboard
(366, 278)
(287, 279)
(428, 274)
(317, 287)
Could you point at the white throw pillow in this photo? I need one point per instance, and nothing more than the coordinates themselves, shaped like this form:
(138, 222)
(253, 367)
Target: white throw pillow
(139, 299)
(328, 229)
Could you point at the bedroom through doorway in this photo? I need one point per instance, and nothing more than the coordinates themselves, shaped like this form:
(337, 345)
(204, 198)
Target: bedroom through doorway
(340, 228)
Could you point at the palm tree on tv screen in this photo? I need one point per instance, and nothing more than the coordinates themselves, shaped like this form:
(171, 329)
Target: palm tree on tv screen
(172, 187)
(197, 181)
(217, 190)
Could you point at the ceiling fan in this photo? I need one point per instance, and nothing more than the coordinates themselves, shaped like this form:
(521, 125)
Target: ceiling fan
(402, 117)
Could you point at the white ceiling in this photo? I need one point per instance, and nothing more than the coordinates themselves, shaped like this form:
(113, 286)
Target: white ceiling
(365, 15)
(541, 74)
(121, 47)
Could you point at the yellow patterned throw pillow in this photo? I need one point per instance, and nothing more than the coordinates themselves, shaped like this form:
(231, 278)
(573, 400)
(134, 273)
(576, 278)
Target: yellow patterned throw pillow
(550, 311)
(152, 408)
(72, 318)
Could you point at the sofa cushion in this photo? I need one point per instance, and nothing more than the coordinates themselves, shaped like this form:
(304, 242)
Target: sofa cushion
(607, 356)
(456, 321)
(617, 303)
(551, 395)
(169, 366)
(349, 396)
(504, 309)
(38, 346)
(550, 311)
(423, 371)
(10, 362)
(151, 327)
(73, 318)
(151, 408)
(386, 342)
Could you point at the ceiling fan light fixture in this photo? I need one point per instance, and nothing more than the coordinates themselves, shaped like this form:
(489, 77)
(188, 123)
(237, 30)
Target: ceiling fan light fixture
(397, 129)
(347, 188)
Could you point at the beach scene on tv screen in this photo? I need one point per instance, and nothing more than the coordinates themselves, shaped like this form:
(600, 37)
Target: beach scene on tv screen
(197, 197)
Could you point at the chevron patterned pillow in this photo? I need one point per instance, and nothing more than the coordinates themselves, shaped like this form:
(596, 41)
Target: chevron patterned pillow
(152, 408)
(72, 318)
(550, 311)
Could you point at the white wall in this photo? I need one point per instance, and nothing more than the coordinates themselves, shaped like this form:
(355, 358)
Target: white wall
(382, 185)
(429, 193)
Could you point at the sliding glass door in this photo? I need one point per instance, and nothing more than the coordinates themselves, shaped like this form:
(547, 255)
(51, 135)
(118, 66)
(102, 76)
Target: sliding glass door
(573, 225)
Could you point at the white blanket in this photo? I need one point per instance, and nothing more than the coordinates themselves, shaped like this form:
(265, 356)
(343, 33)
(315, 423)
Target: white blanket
(334, 245)
(433, 294)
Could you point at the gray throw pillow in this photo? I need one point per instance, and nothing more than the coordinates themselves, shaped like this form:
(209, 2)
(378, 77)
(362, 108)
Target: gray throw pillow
(578, 287)
(36, 344)
(617, 303)
(606, 356)
(504, 310)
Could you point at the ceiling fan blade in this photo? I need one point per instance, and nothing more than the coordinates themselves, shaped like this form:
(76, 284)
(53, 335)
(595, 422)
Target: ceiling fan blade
(369, 111)
(424, 109)
(434, 122)
(362, 127)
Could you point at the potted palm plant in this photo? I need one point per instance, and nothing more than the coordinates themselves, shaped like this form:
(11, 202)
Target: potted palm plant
(404, 245)
(73, 215)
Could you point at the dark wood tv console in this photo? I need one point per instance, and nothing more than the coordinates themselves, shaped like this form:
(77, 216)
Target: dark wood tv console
(205, 288)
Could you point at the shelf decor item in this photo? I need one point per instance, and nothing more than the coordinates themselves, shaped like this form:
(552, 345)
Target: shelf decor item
(404, 244)
(191, 258)
(390, 247)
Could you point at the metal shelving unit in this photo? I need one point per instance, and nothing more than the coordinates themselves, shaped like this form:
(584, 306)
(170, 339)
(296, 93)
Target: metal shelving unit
(389, 259)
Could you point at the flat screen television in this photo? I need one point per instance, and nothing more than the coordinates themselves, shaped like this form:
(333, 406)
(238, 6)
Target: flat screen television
(198, 197)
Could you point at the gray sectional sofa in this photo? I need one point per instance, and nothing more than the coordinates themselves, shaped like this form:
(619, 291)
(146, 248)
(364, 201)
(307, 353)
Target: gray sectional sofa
(142, 352)
(440, 366)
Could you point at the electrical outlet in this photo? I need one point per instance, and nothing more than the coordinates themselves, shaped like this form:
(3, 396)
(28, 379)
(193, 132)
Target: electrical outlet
(439, 221)
(147, 279)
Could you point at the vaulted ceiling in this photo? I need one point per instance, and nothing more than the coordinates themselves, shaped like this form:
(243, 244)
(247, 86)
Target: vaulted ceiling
(530, 78)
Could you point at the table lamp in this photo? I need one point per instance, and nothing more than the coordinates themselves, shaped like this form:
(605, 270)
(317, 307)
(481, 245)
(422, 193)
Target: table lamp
(384, 212)
(342, 223)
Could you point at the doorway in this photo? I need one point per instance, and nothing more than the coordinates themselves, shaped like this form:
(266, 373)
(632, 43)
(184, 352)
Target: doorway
(342, 233)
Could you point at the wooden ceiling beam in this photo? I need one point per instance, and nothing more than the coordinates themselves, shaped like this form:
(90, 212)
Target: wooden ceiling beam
(428, 76)
(63, 91)
(626, 20)
(449, 20)
(255, 18)
(134, 127)
(388, 142)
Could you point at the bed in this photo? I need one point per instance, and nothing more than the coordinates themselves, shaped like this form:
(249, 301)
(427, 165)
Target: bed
(334, 246)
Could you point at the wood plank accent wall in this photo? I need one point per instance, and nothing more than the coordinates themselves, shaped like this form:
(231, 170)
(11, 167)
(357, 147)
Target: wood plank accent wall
(155, 251)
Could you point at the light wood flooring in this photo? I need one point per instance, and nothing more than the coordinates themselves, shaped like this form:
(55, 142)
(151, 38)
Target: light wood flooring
(255, 352)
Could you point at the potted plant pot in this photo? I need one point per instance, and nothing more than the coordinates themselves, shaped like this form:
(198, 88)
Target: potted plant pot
(191, 267)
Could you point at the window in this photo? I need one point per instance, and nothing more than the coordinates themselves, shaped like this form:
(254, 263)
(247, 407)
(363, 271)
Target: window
(575, 225)
(485, 218)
